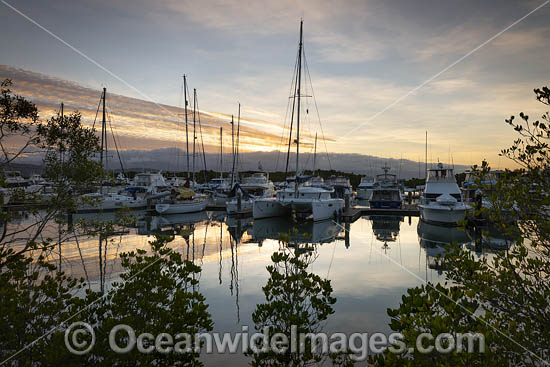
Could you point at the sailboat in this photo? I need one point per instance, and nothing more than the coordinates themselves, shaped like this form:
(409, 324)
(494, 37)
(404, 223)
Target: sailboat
(253, 187)
(300, 198)
(184, 200)
(107, 201)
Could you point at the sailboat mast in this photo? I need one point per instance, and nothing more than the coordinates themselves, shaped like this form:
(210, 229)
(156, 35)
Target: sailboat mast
(298, 111)
(186, 125)
(221, 152)
(194, 128)
(103, 132)
(232, 149)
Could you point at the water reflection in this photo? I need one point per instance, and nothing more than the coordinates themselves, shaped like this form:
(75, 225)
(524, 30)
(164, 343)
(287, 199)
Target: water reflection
(386, 228)
(433, 239)
(299, 233)
(234, 254)
(297, 301)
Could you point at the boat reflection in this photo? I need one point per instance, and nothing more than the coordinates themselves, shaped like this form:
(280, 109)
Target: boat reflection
(490, 239)
(237, 227)
(149, 225)
(386, 228)
(434, 238)
(303, 232)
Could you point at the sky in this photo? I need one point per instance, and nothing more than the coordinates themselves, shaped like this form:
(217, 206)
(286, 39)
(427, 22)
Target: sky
(383, 72)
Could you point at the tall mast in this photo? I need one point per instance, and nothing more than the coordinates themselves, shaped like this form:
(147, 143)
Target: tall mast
(232, 149)
(103, 133)
(298, 111)
(221, 152)
(315, 155)
(186, 125)
(194, 128)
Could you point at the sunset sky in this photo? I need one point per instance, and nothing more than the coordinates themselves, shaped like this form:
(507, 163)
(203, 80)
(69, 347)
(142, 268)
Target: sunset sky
(369, 61)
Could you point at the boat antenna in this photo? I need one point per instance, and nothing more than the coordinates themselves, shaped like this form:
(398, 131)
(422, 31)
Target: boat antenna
(426, 157)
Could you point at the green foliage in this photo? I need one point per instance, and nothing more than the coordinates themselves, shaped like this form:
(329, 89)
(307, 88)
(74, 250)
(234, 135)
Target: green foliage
(294, 297)
(18, 120)
(69, 165)
(34, 300)
(508, 293)
(157, 294)
(70, 149)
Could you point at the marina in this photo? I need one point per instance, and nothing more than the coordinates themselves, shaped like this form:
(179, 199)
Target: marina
(362, 184)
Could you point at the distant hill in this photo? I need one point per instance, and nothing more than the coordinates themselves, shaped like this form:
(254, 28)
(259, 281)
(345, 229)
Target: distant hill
(173, 159)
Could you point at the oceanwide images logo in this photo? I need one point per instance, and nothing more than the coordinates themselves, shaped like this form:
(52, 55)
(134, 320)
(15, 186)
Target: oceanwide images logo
(80, 339)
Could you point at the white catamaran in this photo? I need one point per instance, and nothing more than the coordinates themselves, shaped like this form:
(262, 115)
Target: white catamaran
(300, 198)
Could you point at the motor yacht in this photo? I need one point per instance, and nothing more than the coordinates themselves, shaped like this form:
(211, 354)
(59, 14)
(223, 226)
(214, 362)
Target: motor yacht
(441, 202)
(385, 193)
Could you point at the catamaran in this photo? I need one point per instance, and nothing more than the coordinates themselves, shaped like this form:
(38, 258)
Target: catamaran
(301, 198)
(252, 188)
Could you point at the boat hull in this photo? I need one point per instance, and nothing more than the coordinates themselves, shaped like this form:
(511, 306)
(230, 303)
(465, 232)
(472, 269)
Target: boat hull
(316, 210)
(448, 216)
(111, 206)
(181, 207)
(246, 207)
(364, 194)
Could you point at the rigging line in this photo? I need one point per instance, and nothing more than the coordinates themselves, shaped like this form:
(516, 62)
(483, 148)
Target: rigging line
(317, 110)
(116, 146)
(295, 77)
(286, 115)
(202, 141)
(179, 125)
(331, 259)
(96, 113)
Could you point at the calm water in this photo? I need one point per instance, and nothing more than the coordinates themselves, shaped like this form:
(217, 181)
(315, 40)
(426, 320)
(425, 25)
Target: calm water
(370, 263)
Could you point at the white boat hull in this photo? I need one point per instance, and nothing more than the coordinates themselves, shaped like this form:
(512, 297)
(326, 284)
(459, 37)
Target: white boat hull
(317, 209)
(181, 207)
(111, 206)
(445, 215)
(246, 206)
(364, 194)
